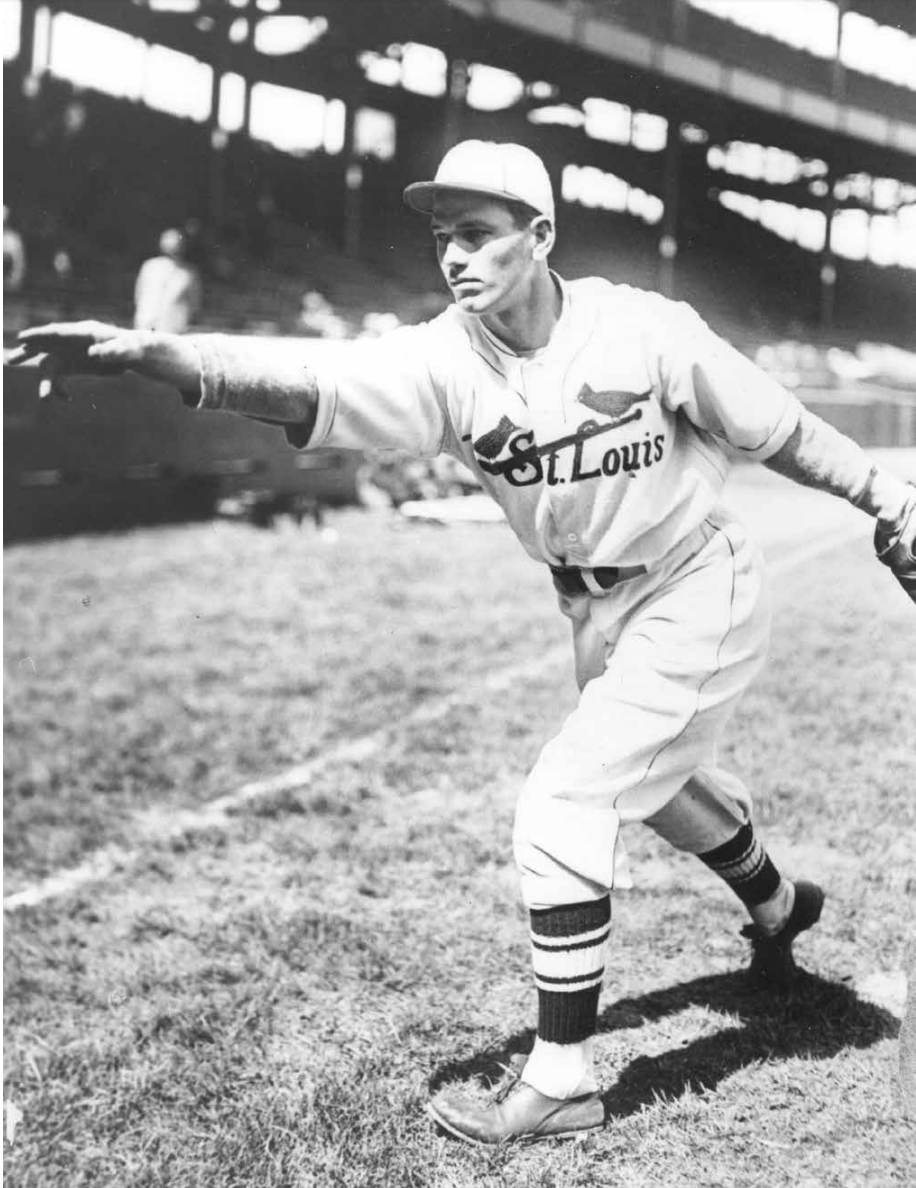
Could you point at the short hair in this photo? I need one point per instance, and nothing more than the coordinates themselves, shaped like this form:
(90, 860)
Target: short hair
(522, 213)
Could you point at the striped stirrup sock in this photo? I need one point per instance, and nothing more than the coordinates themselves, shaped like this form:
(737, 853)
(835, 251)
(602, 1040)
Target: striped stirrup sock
(745, 865)
(568, 946)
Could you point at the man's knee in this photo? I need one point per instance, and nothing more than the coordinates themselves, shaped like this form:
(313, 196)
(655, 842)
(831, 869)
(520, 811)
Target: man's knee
(707, 811)
(564, 850)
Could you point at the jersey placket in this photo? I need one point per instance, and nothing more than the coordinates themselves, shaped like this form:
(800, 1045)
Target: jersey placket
(544, 393)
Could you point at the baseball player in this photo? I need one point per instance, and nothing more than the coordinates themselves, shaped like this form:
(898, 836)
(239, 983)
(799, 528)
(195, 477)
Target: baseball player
(598, 417)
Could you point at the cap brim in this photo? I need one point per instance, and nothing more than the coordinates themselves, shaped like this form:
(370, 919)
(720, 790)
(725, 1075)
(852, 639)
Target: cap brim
(421, 196)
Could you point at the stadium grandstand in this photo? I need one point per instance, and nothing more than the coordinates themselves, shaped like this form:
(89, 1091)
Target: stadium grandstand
(757, 159)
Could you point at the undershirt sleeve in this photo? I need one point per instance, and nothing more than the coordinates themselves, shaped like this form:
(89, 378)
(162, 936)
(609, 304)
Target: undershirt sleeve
(817, 455)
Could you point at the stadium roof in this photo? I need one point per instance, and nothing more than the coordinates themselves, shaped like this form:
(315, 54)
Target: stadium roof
(736, 83)
(900, 14)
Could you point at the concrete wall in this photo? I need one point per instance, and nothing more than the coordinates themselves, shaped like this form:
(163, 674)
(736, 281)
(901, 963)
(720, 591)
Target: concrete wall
(128, 452)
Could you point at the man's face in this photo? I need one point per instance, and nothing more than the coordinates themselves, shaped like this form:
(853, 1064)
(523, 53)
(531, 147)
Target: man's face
(485, 257)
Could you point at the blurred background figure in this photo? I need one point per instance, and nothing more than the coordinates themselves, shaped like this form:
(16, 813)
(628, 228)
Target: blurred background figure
(196, 247)
(318, 318)
(14, 262)
(376, 323)
(74, 119)
(259, 224)
(62, 264)
(390, 478)
(168, 293)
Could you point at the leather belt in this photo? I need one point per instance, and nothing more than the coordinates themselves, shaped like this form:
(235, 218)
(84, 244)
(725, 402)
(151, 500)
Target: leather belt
(571, 580)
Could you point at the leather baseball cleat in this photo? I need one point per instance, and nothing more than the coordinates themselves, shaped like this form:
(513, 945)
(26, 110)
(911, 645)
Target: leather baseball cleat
(517, 1113)
(772, 964)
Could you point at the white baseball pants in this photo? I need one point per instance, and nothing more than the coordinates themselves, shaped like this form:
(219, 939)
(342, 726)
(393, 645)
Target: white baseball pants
(661, 662)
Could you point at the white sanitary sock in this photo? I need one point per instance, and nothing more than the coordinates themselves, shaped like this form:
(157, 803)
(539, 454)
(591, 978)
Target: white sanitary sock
(772, 914)
(561, 1070)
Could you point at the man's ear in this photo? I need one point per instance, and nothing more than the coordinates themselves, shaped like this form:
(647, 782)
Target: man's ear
(544, 234)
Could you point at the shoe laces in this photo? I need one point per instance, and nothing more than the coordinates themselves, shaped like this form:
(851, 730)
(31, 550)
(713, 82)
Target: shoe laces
(510, 1079)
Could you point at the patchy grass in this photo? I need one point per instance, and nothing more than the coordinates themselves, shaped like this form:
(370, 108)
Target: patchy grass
(164, 667)
(270, 1001)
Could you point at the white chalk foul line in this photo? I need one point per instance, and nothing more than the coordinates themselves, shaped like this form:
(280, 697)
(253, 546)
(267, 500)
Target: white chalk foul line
(152, 828)
(155, 828)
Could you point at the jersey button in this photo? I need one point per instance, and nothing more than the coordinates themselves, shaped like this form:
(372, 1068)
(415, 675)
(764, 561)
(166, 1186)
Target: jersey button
(571, 537)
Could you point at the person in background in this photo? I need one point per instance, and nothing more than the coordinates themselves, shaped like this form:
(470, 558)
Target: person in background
(376, 323)
(64, 273)
(14, 261)
(168, 293)
(196, 243)
(318, 319)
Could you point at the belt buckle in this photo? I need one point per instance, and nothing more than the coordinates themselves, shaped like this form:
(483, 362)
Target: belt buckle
(591, 583)
(571, 579)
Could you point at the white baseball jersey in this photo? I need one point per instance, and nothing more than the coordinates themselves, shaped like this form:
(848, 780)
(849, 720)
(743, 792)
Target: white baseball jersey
(605, 447)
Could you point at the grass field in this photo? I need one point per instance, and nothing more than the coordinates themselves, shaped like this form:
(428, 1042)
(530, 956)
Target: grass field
(266, 996)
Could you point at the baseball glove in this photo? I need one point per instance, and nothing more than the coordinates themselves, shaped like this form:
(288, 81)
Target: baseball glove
(895, 545)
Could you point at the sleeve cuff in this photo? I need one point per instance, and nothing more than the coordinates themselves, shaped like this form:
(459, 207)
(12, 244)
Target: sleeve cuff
(327, 406)
(211, 392)
(263, 383)
(779, 435)
(212, 374)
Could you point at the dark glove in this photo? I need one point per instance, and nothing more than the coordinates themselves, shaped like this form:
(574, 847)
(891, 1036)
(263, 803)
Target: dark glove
(895, 545)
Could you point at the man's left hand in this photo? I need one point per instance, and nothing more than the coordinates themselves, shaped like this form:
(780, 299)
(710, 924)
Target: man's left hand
(895, 545)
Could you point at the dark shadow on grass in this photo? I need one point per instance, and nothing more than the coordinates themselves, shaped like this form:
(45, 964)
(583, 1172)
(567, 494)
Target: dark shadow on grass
(817, 1018)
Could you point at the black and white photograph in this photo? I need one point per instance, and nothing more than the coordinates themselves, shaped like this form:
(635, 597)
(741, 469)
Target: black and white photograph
(459, 593)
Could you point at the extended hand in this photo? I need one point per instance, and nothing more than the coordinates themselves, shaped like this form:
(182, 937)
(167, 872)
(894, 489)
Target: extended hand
(895, 544)
(94, 348)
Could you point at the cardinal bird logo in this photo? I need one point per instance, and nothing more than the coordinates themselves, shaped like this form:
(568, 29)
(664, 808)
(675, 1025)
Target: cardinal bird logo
(491, 444)
(611, 403)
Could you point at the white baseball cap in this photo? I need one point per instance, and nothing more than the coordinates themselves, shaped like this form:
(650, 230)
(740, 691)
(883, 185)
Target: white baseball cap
(510, 172)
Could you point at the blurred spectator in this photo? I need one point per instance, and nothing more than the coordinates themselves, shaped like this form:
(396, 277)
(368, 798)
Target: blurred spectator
(318, 317)
(225, 252)
(63, 271)
(14, 265)
(452, 478)
(260, 224)
(168, 292)
(390, 478)
(74, 121)
(375, 324)
(195, 241)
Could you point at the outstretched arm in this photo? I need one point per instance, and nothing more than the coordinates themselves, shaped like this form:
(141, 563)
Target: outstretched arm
(373, 394)
(267, 383)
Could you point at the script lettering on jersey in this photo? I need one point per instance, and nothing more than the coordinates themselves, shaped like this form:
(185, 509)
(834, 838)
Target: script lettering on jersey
(512, 452)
